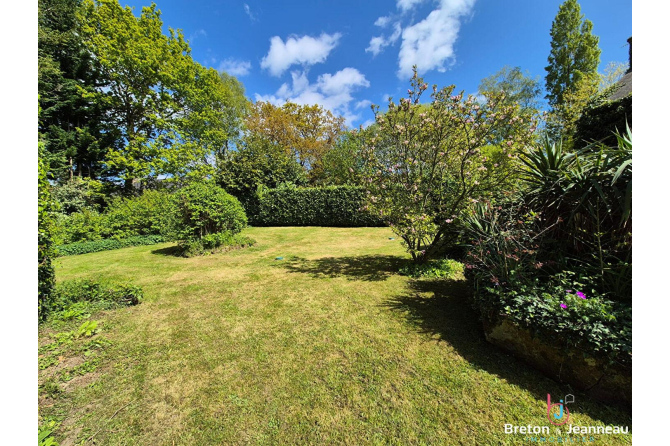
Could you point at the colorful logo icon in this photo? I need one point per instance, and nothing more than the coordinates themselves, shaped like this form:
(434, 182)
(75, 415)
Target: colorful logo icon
(558, 413)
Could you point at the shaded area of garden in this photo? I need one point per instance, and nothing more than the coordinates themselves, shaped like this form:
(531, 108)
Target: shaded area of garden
(370, 268)
(443, 308)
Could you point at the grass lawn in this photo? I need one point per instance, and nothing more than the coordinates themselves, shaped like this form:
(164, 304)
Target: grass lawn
(328, 346)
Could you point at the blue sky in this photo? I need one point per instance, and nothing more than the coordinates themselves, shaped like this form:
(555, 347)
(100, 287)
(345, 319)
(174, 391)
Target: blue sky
(346, 54)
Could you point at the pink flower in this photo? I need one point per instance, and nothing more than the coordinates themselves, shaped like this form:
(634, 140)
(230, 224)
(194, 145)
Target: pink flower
(564, 306)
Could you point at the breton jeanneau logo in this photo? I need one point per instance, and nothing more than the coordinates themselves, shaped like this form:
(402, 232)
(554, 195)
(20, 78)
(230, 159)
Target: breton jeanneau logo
(558, 413)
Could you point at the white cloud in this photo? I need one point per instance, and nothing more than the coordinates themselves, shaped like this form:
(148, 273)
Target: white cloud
(234, 67)
(332, 91)
(199, 33)
(378, 43)
(406, 5)
(383, 21)
(363, 104)
(247, 10)
(304, 50)
(429, 44)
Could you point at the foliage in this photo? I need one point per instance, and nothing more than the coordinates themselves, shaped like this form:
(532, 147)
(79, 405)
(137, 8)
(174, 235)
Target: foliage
(203, 209)
(46, 252)
(73, 249)
(78, 194)
(69, 294)
(343, 165)
(172, 113)
(314, 206)
(562, 311)
(145, 214)
(44, 434)
(306, 132)
(86, 225)
(219, 241)
(428, 164)
(71, 125)
(517, 87)
(612, 74)
(557, 259)
(87, 329)
(563, 118)
(258, 162)
(574, 54)
(433, 269)
(589, 196)
(601, 119)
(125, 217)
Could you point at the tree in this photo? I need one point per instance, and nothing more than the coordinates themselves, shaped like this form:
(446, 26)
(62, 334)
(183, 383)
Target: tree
(308, 132)
(612, 73)
(428, 164)
(70, 124)
(574, 54)
(518, 88)
(46, 251)
(343, 164)
(172, 114)
(562, 120)
(258, 162)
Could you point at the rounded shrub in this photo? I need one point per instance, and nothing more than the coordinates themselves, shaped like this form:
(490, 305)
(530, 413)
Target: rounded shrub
(202, 209)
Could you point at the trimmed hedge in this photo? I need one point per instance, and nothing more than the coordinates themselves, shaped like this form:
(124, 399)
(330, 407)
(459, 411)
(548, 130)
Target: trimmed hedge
(338, 206)
(72, 249)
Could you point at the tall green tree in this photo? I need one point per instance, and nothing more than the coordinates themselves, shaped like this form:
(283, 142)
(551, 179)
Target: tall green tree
(518, 88)
(171, 112)
(70, 124)
(574, 56)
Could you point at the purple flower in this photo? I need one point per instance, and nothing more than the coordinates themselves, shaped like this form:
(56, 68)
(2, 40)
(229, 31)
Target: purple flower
(580, 294)
(564, 306)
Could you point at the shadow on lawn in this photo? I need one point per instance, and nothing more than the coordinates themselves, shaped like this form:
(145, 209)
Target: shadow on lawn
(447, 313)
(370, 268)
(173, 251)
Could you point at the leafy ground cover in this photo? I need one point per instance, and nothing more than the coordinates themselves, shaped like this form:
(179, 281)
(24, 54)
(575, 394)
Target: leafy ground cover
(330, 345)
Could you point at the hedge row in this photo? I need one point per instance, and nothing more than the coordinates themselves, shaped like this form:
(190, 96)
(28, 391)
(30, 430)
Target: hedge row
(599, 121)
(338, 206)
(72, 249)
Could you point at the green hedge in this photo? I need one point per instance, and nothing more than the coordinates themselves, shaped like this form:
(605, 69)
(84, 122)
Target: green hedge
(338, 206)
(600, 120)
(72, 249)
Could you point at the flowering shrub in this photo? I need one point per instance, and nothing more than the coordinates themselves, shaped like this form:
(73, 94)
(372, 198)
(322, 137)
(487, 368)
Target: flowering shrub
(556, 259)
(427, 164)
(566, 316)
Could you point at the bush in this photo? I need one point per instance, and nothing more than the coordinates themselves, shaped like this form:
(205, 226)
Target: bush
(315, 206)
(601, 118)
(73, 293)
(557, 260)
(203, 212)
(563, 309)
(46, 275)
(433, 269)
(78, 194)
(77, 248)
(146, 214)
(86, 225)
(221, 241)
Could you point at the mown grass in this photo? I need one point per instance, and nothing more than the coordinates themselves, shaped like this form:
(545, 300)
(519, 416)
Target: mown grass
(328, 346)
